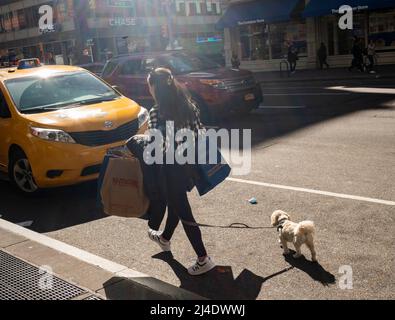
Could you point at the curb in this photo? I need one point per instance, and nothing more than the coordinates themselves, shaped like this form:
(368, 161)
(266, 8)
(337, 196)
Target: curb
(137, 285)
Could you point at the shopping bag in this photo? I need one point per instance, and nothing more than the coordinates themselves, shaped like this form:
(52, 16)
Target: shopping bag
(210, 175)
(121, 189)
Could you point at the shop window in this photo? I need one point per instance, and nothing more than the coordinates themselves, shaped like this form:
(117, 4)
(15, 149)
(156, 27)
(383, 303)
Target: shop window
(181, 9)
(192, 9)
(382, 29)
(203, 8)
(257, 40)
(2, 23)
(282, 35)
(331, 39)
(345, 38)
(214, 9)
(22, 19)
(254, 41)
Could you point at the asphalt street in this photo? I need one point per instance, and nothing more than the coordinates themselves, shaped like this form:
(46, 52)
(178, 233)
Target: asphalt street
(321, 150)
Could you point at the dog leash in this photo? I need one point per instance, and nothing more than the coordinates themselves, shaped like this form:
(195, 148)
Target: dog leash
(236, 225)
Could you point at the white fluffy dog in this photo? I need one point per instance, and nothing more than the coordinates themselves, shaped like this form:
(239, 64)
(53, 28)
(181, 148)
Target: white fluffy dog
(297, 233)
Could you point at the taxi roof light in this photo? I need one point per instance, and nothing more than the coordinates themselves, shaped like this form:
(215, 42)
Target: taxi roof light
(29, 63)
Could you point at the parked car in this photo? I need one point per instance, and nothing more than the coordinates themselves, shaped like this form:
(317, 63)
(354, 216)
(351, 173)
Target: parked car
(56, 124)
(95, 68)
(218, 91)
(8, 61)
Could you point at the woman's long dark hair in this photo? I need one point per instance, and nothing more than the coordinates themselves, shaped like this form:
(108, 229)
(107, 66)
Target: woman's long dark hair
(174, 101)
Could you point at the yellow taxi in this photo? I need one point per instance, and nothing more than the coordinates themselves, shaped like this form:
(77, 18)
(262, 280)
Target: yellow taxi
(57, 122)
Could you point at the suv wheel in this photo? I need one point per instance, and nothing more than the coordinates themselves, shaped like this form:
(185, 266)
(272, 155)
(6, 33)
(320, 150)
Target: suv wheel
(21, 174)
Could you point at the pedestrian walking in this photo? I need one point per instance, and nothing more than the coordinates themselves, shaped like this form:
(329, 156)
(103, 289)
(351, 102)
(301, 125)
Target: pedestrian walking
(292, 58)
(235, 61)
(173, 104)
(357, 52)
(322, 56)
(371, 50)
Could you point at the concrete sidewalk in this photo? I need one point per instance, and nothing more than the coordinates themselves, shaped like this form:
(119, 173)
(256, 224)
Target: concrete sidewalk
(36, 267)
(332, 74)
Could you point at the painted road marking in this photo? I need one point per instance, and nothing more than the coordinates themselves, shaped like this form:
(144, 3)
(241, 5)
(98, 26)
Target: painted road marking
(281, 107)
(365, 90)
(309, 94)
(324, 193)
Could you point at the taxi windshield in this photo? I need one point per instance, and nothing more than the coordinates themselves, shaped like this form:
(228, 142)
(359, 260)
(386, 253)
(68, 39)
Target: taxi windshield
(39, 94)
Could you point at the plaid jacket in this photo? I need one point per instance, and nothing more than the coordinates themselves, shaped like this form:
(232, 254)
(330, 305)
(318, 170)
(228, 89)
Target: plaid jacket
(156, 123)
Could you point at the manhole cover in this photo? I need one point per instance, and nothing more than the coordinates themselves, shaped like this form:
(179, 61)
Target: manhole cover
(22, 281)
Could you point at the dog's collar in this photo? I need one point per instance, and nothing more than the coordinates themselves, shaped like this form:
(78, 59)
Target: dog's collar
(280, 224)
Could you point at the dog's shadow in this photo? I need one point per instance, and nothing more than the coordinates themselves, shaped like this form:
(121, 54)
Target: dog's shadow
(313, 269)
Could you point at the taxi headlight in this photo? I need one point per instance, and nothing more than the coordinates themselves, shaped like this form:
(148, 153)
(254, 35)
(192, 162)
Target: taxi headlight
(51, 135)
(143, 117)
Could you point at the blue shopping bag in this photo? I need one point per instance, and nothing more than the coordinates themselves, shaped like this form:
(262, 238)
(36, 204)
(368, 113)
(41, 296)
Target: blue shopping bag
(210, 175)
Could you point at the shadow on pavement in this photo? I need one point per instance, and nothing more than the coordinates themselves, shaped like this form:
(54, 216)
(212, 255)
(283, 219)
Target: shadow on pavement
(267, 124)
(65, 207)
(219, 283)
(53, 209)
(313, 269)
(144, 288)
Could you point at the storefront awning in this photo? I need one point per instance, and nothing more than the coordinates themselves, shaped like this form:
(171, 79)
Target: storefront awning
(256, 12)
(317, 8)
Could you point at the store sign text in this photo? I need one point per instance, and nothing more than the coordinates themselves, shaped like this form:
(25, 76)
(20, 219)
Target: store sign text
(357, 8)
(115, 22)
(241, 23)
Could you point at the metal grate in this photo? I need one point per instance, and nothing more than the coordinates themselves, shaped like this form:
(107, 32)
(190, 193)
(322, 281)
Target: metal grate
(100, 138)
(240, 84)
(22, 281)
(93, 298)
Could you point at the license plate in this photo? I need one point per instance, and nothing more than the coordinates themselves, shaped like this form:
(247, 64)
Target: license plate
(249, 97)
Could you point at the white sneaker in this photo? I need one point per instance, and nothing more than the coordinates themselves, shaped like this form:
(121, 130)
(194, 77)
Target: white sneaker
(155, 237)
(200, 268)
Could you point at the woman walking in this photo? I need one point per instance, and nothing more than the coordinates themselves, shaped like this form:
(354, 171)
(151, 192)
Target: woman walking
(323, 56)
(292, 58)
(173, 105)
(371, 50)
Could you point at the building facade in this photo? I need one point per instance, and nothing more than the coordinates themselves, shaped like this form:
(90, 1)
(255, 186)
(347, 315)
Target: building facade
(91, 30)
(260, 32)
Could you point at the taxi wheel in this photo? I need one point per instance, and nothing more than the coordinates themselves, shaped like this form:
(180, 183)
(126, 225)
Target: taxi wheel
(21, 174)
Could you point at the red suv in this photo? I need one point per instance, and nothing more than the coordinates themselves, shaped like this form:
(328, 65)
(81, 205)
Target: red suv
(218, 91)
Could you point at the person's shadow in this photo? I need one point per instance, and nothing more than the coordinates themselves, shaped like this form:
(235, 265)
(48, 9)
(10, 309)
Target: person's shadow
(313, 269)
(218, 284)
